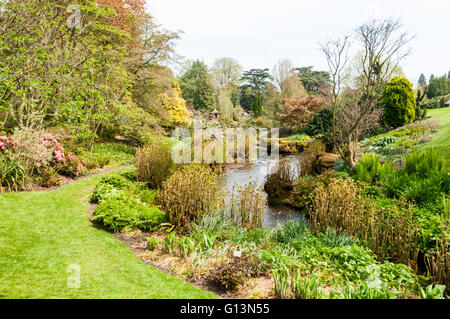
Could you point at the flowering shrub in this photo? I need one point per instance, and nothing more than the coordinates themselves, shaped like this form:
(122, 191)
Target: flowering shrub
(41, 150)
(71, 165)
(7, 143)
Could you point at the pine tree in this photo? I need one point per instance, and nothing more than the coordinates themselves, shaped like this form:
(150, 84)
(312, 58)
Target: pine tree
(422, 80)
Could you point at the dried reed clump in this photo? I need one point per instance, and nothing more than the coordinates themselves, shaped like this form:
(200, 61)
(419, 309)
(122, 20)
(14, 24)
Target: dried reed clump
(154, 164)
(280, 183)
(438, 261)
(190, 194)
(309, 158)
(246, 207)
(389, 233)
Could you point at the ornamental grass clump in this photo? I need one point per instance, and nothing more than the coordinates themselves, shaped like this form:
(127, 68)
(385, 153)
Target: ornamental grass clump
(154, 164)
(190, 194)
(280, 183)
(247, 206)
(390, 233)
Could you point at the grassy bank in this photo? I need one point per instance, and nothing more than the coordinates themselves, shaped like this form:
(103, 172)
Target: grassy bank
(441, 140)
(42, 233)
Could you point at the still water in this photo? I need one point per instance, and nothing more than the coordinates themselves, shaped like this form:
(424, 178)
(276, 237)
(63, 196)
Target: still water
(242, 174)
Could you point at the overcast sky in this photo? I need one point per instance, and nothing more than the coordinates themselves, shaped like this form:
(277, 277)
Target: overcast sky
(258, 33)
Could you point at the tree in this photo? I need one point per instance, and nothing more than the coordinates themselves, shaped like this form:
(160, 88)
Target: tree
(315, 82)
(175, 105)
(128, 13)
(398, 102)
(421, 110)
(257, 106)
(438, 87)
(383, 47)
(298, 111)
(227, 73)
(255, 83)
(198, 87)
(53, 74)
(287, 81)
(422, 80)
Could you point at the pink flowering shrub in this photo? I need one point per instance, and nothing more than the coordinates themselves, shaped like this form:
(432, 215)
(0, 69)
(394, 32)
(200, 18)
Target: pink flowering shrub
(7, 143)
(41, 150)
(71, 166)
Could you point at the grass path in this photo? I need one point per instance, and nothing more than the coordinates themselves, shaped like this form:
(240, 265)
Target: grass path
(42, 233)
(441, 140)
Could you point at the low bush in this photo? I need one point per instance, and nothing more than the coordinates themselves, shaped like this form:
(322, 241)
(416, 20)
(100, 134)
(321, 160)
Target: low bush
(230, 275)
(154, 164)
(190, 194)
(109, 187)
(117, 215)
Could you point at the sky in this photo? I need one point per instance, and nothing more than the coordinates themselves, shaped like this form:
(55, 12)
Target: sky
(259, 33)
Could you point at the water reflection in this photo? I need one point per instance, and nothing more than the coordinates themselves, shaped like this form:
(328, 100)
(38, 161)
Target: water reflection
(242, 174)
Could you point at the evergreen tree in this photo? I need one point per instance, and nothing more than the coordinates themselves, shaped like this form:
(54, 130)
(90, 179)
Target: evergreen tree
(255, 84)
(198, 87)
(399, 102)
(422, 80)
(257, 106)
(438, 87)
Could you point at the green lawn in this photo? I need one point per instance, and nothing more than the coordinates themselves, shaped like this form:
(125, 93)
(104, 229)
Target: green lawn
(42, 233)
(441, 139)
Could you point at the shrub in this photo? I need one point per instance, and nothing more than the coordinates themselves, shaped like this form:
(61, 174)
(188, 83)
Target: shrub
(320, 123)
(109, 187)
(104, 192)
(118, 214)
(190, 194)
(399, 102)
(230, 275)
(71, 166)
(154, 164)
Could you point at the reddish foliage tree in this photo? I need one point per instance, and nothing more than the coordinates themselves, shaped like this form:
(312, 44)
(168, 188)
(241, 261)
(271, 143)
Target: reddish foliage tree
(127, 13)
(299, 110)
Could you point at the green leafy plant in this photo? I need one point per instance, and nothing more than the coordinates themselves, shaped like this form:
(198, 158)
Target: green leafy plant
(170, 242)
(118, 214)
(186, 246)
(309, 288)
(281, 282)
(14, 174)
(152, 243)
(432, 292)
